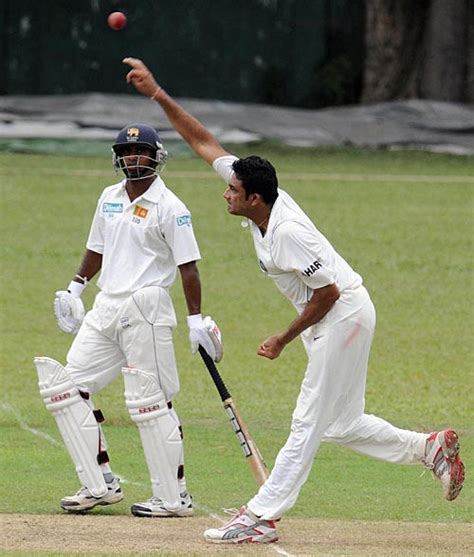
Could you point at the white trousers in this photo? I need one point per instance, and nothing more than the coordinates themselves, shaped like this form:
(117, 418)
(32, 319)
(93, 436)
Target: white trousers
(134, 331)
(330, 406)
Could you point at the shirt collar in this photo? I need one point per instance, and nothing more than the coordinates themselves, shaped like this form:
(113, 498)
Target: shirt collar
(153, 193)
(274, 212)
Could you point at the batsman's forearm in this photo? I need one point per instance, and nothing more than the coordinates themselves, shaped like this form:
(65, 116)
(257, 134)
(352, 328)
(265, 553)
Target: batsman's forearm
(191, 286)
(91, 264)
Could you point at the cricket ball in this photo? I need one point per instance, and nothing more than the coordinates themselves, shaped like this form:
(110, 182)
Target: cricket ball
(117, 20)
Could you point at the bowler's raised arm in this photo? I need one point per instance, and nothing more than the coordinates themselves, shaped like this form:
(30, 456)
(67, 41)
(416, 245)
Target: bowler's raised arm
(201, 141)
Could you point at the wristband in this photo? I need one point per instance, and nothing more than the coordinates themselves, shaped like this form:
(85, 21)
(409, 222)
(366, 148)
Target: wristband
(84, 280)
(157, 90)
(195, 321)
(76, 288)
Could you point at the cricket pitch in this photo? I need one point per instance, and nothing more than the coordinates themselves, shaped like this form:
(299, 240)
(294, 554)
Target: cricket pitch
(126, 535)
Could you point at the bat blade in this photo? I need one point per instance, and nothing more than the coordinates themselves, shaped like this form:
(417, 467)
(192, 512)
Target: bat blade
(253, 456)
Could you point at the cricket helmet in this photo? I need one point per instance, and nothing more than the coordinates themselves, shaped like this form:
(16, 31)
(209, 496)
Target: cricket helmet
(144, 136)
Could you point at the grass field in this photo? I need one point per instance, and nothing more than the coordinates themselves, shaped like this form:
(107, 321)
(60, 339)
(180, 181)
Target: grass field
(405, 223)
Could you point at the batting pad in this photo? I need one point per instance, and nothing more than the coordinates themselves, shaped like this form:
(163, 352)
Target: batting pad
(159, 432)
(76, 422)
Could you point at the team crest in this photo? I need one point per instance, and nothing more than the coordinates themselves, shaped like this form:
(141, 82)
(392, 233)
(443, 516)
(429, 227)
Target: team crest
(140, 212)
(133, 134)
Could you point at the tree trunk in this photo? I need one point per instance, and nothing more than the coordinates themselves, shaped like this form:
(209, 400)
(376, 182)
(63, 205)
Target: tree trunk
(470, 54)
(444, 65)
(394, 31)
(421, 49)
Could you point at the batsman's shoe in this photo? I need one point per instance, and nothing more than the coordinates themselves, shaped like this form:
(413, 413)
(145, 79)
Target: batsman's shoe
(155, 507)
(245, 527)
(442, 458)
(83, 501)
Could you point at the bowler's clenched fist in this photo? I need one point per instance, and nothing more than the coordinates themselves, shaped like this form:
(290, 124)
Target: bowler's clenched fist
(271, 348)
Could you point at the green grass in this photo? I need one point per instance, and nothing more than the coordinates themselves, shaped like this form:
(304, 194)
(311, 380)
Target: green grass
(410, 239)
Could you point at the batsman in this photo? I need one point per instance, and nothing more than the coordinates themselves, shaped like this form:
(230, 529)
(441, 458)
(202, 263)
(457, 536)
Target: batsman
(335, 320)
(141, 234)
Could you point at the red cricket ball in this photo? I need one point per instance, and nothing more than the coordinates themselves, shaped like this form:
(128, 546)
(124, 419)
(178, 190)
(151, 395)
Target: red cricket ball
(117, 20)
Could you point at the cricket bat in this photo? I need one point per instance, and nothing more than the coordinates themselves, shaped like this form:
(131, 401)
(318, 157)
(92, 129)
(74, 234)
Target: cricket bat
(252, 454)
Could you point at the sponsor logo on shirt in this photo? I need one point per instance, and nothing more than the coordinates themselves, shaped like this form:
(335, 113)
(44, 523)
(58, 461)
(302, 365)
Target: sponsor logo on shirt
(140, 212)
(183, 219)
(112, 207)
(315, 265)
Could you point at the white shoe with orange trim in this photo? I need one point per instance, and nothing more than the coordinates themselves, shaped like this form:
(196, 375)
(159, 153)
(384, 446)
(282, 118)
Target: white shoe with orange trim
(442, 458)
(244, 527)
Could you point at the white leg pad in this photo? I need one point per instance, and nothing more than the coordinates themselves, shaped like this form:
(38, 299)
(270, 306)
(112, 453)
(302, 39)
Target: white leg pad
(76, 422)
(159, 432)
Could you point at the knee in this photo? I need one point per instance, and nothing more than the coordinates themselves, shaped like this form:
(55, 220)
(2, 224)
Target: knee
(300, 427)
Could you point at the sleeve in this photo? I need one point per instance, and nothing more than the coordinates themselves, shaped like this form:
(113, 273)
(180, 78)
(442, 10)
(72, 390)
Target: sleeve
(179, 234)
(223, 167)
(296, 248)
(95, 242)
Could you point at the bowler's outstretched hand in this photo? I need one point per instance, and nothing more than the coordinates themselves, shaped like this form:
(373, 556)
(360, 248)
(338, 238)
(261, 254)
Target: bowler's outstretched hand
(141, 77)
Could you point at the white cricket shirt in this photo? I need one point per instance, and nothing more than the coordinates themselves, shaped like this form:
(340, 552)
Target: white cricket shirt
(143, 241)
(293, 252)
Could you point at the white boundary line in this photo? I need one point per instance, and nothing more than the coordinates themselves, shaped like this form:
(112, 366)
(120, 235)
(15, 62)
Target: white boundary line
(7, 407)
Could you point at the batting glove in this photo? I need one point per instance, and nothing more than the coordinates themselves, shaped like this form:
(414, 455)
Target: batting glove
(69, 309)
(206, 333)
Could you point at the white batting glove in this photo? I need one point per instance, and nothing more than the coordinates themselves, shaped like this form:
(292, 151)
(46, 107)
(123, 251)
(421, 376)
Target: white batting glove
(206, 333)
(69, 309)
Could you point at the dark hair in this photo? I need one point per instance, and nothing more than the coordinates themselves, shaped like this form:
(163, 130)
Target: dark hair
(257, 176)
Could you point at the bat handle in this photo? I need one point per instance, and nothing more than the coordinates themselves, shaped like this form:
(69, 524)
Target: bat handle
(218, 381)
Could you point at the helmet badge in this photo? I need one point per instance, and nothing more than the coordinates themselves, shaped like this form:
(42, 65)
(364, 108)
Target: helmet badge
(133, 134)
